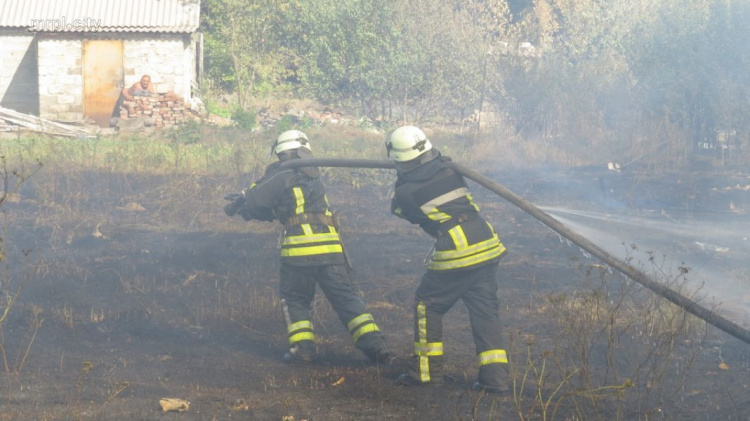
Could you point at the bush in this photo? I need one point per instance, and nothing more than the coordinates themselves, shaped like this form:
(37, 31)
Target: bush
(286, 122)
(213, 108)
(188, 133)
(244, 119)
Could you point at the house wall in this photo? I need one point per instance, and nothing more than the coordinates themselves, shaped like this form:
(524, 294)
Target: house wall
(18, 72)
(60, 57)
(161, 56)
(60, 60)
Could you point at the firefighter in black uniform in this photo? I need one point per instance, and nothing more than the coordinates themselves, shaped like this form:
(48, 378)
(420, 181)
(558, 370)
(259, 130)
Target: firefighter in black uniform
(311, 251)
(463, 264)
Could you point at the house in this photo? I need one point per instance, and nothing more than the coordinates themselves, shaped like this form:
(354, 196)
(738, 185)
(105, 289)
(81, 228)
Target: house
(68, 60)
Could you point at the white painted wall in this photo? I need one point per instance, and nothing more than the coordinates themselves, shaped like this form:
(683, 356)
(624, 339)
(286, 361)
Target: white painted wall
(46, 76)
(161, 56)
(18, 74)
(60, 78)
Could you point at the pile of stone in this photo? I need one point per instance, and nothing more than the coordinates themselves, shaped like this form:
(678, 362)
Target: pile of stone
(164, 110)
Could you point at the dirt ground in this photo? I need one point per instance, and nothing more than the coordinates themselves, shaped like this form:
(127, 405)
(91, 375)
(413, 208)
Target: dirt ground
(131, 299)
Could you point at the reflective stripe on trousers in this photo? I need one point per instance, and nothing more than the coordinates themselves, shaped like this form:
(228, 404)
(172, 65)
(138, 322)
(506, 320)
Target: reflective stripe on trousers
(423, 349)
(493, 356)
(297, 331)
(362, 325)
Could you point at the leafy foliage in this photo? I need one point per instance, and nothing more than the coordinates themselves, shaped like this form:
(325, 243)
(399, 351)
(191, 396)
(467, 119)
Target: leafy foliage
(660, 83)
(244, 119)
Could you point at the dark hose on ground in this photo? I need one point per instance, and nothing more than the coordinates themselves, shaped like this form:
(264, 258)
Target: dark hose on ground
(631, 272)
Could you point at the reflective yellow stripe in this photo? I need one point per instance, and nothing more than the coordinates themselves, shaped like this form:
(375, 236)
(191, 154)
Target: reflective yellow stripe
(471, 200)
(287, 316)
(431, 208)
(424, 361)
(312, 238)
(304, 324)
(370, 327)
(299, 197)
(422, 322)
(466, 251)
(325, 199)
(365, 317)
(436, 215)
(493, 356)
(306, 335)
(312, 250)
(302, 336)
(428, 349)
(424, 369)
(445, 198)
(307, 229)
(459, 237)
(367, 324)
(467, 261)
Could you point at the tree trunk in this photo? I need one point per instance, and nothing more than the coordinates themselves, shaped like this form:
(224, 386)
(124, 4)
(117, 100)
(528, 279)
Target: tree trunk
(236, 64)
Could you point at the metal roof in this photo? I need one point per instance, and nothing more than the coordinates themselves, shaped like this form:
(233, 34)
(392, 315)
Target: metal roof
(101, 15)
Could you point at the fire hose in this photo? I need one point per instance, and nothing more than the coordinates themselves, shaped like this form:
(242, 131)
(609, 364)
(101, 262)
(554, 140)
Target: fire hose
(688, 304)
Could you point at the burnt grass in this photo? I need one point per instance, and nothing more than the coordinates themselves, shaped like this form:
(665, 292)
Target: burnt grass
(176, 300)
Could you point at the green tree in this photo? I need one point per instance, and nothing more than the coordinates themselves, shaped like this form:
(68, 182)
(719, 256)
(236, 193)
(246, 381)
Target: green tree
(243, 52)
(344, 46)
(693, 76)
(418, 55)
(576, 88)
(444, 55)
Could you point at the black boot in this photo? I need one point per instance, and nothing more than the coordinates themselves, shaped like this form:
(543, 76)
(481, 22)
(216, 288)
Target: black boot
(379, 356)
(498, 390)
(493, 378)
(373, 346)
(303, 351)
(412, 377)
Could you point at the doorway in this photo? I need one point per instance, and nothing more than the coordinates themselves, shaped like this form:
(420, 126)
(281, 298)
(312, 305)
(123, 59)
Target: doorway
(102, 79)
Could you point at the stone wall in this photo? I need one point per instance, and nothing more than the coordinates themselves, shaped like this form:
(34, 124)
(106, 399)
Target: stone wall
(162, 110)
(60, 78)
(18, 72)
(164, 57)
(167, 58)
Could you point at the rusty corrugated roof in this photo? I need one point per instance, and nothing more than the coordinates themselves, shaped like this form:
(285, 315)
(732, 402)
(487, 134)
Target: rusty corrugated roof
(101, 15)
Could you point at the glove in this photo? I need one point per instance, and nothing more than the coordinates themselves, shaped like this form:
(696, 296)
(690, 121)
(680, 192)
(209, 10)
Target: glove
(237, 203)
(245, 213)
(230, 209)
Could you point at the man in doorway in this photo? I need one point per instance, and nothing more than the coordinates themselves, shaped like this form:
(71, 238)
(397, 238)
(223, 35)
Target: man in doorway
(144, 87)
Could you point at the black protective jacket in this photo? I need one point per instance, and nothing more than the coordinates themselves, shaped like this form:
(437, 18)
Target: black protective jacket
(297, 199)
(437, 198)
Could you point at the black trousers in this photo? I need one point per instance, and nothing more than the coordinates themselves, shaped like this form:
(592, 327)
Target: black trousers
(438, 291)
(297, 290)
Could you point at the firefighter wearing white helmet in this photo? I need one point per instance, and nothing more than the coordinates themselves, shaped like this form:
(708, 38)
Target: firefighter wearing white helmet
(291, 140)
(463, 264)
(406, 143)
(311, 251)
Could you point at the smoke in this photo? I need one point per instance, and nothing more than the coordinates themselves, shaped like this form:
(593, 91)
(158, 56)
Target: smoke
(714, 251)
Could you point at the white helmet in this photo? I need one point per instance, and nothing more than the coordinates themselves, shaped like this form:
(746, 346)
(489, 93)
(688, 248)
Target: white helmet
(406, 143)
(289, 140)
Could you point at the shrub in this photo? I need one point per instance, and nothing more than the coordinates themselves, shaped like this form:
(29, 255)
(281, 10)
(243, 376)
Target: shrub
(188, 133)
(244, 119)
